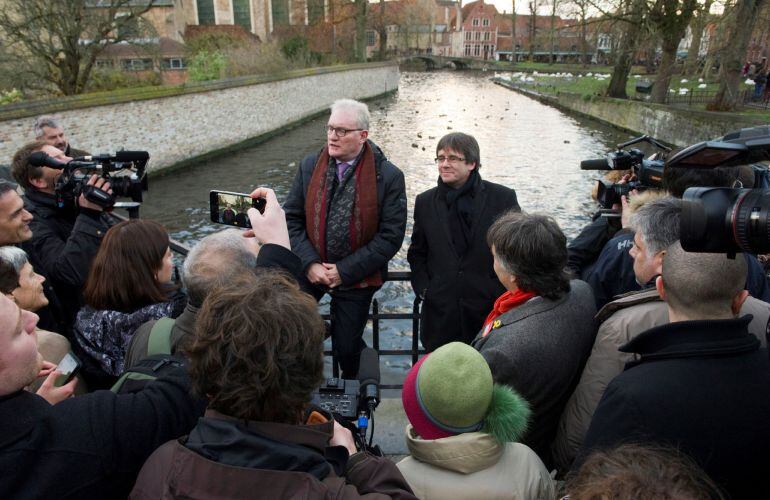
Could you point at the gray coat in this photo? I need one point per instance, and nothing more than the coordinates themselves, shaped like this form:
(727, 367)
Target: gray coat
(539, 349)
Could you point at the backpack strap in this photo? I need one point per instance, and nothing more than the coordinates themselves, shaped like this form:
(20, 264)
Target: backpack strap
(160, 337)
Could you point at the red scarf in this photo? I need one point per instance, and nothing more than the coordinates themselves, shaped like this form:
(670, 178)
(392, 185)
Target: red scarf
(503, 304)
(365, 218)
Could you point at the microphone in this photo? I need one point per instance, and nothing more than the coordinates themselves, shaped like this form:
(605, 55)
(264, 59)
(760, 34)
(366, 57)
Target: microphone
(597, 164)
(40, 159)
(120, 156)
(369, 377)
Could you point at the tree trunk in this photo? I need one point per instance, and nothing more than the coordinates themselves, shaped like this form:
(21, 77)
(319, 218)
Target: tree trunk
(361, 30)
(383, 32)
(552, 57)
(532, 28)
(665, 70)
(733, 53)
(513, 32)
(625, 53)
(584, 39)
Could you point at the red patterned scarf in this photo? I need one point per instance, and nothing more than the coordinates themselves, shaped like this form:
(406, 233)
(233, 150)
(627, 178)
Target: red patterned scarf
(503, 304)
(365, 216)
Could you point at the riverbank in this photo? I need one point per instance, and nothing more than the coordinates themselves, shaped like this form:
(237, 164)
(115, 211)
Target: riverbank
(190, 124)
(676, 126)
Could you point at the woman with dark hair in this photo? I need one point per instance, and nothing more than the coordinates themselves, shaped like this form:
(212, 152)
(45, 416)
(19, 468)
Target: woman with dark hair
(540, 331)
(128, 285)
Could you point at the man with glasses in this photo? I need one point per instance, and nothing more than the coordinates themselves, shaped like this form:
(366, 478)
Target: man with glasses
(346, 213)
(451, 263)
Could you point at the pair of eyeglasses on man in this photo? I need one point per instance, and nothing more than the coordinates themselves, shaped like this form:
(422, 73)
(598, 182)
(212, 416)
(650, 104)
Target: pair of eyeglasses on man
(340, 132)
(450, 159)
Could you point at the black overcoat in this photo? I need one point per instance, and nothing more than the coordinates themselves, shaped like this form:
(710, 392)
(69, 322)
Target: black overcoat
(458, 292)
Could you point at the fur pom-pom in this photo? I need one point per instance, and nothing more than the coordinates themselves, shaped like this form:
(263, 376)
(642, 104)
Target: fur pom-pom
(508, 415)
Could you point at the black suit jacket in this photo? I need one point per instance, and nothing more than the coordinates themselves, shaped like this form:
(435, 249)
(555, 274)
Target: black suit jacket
(458, 292)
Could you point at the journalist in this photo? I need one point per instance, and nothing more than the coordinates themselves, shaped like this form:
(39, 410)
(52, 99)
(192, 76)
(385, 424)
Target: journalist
(66, 235)
(257, 356)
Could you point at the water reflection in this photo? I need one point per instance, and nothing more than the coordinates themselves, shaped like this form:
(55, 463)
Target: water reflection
(531, 147)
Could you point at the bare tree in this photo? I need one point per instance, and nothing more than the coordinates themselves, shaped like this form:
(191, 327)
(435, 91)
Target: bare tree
(361, 8)
(57, 42)
(670, 19)
(633, 16)
(532, 28)
(701, 17)
(382, 30)
(552, 34)
(738, 31)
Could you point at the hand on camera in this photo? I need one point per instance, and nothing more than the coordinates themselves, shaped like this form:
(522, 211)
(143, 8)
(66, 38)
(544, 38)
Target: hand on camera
(98, 183)
(343, 437)
(269, 226)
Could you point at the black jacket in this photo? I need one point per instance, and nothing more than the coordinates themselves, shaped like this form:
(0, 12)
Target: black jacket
(372, 257)
(613, 272)
(583, 251)
(702, 387)
(91, 446)
(458, 292)
(63, 245)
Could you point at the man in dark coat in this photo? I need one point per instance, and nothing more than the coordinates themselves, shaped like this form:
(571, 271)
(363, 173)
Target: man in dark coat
(347, 216)
(50, 130)
(449, 257)
(701, 382)
(65, 237)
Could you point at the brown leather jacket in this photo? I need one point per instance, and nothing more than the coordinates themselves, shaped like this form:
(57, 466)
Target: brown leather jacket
(176, 471)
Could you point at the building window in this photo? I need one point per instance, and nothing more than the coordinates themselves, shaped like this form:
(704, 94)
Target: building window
(485, 22)
(477, 50)
(478, 35)
(280, 12)
(467, 50)
(172, 63)
(315, 11)
(206, 12)
(486, 35)
(242, 13)
(475, 21)
(136, 64)
(467, 35)
(105, 63)
(370, 38)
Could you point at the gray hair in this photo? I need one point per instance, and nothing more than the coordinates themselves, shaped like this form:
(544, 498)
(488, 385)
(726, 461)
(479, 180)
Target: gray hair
(357, 108)
(45, 121)
(702, 285)
(12, 260)
(657, 223)
(215, 260)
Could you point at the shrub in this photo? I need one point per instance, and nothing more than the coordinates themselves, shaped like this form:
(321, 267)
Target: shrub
(207, 66)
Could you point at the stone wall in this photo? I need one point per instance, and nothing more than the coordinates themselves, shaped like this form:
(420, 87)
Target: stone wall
(675, 126)
(176, 128)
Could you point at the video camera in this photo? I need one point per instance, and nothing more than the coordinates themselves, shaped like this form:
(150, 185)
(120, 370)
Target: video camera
(126, 172)
(648, 172)
(353, 401)
(722, 219)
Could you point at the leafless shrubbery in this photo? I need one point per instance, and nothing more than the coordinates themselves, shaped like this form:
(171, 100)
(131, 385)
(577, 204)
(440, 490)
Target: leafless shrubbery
(260, 58)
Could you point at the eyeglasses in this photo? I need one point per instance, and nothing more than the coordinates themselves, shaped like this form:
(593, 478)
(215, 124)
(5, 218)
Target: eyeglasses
(340, 132)
(451, 159)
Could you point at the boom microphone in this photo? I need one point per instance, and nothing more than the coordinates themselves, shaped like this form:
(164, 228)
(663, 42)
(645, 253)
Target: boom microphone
(369, 377)
(597, 164)
(40, 159)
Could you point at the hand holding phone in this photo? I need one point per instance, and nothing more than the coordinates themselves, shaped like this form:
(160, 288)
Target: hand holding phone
(231, 208)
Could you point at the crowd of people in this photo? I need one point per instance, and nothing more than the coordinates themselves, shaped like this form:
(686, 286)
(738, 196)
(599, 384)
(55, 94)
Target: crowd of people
(616, 366)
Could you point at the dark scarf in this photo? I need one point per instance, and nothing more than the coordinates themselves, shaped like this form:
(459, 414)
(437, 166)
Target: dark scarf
(460, 204)
(353, 200)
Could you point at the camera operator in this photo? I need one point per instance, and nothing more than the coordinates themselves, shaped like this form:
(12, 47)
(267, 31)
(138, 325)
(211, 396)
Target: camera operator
(615, 262)
(259, 428)
(65, 239)
(49, 130)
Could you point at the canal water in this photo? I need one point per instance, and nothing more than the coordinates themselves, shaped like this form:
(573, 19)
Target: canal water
(526, 145)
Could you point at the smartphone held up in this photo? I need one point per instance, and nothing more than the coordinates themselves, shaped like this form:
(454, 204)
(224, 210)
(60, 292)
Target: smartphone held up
(232, 208)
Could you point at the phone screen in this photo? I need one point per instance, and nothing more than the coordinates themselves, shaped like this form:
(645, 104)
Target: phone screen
(231, 208)
(68, 366)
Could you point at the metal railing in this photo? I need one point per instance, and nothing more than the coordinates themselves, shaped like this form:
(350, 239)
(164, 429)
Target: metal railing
(375, 316)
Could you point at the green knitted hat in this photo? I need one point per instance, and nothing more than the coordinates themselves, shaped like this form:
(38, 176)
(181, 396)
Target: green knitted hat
(451, 391)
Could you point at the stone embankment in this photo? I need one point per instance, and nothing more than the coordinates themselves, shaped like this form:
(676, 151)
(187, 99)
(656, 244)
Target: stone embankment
(188, 123)
(675, 126)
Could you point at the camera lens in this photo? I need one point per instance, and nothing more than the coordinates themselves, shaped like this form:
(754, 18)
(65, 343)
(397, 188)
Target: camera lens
(750, 221)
